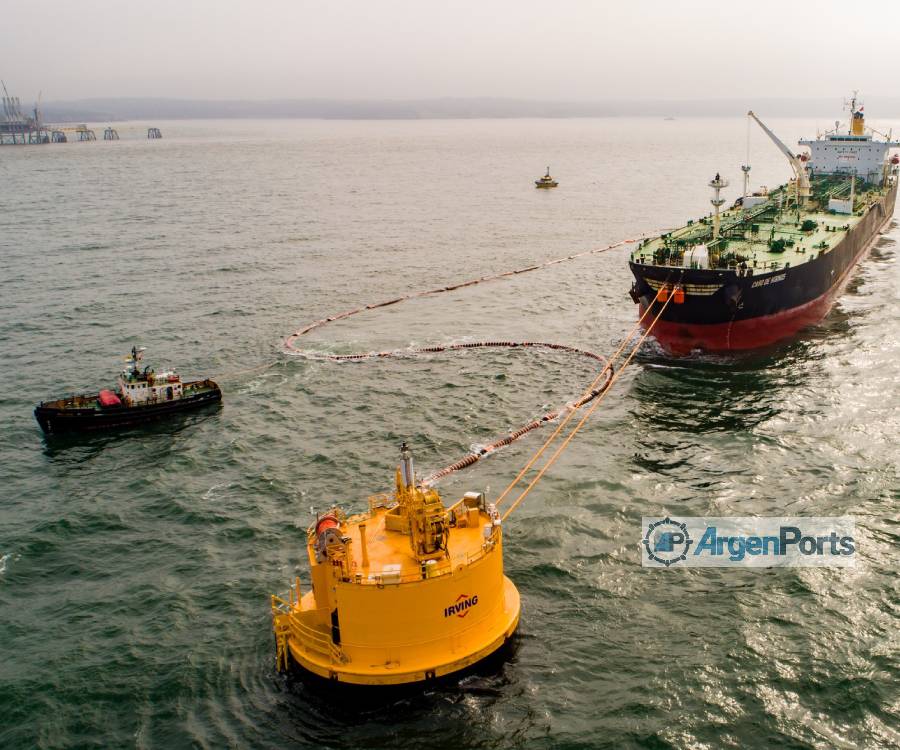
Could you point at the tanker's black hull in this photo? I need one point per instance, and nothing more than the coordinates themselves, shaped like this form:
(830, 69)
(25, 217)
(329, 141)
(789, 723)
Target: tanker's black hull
(55, 419)
(749, 310)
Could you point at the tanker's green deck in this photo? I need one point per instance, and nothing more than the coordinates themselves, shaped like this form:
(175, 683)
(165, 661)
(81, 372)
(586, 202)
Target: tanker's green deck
(747, 236)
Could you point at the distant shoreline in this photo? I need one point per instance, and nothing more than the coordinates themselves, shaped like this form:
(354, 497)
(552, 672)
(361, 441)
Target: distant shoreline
(125, 109)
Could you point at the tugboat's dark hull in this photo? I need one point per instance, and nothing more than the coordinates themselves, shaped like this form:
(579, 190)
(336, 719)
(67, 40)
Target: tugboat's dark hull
(751, 311)
(63, 416)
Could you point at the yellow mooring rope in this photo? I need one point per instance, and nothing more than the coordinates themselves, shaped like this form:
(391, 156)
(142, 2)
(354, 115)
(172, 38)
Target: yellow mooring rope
(609, 364)
(583, 420)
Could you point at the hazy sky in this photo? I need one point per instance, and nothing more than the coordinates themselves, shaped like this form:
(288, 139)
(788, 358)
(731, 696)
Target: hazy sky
(547, 49)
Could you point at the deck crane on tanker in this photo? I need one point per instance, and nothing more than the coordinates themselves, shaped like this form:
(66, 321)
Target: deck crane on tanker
(797, 164)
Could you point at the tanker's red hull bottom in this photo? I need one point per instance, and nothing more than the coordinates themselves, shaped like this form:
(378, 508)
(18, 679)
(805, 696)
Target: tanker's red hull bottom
(753, 333)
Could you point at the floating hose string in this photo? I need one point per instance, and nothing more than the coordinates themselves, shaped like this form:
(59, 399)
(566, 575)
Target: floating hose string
(587, 413)
(594, 390)
(450, 348)
(476, 454)
(608, 371)
(290, 341)
(600, 383)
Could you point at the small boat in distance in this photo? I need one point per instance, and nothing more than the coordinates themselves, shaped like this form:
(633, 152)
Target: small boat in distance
(546, 181)
(141, 396)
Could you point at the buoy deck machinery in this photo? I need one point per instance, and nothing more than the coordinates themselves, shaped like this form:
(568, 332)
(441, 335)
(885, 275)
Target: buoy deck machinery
(406, 592)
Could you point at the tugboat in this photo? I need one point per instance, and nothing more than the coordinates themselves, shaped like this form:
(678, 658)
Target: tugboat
(141, 396)
(773, 263)
(546, 181)
(408, 592)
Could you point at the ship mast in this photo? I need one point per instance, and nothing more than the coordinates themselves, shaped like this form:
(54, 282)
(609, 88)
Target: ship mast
(717, 183)
(745, 168)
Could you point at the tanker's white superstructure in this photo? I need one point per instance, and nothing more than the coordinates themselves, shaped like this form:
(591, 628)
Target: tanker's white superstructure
(852, 150)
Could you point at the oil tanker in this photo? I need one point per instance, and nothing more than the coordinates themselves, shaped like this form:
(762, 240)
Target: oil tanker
(773, 263)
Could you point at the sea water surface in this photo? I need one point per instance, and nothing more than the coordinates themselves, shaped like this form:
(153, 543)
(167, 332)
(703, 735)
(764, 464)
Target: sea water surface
(136, 567)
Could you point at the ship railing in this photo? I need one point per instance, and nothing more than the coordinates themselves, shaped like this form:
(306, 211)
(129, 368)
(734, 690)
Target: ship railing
(73, 402)
(288, 622)
(280, 606)
(763, 266)
(314, 640)
(440, 568)
(381, 500)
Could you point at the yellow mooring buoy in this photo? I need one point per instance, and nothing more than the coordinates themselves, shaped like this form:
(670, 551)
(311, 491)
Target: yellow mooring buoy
(408, 591)
(411, 590)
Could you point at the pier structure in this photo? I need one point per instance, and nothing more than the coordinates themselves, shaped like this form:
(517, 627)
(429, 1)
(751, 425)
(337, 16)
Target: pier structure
(16, 127)
(20, 128)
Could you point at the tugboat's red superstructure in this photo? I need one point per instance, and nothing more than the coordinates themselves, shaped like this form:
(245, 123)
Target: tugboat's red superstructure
(141, 396)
